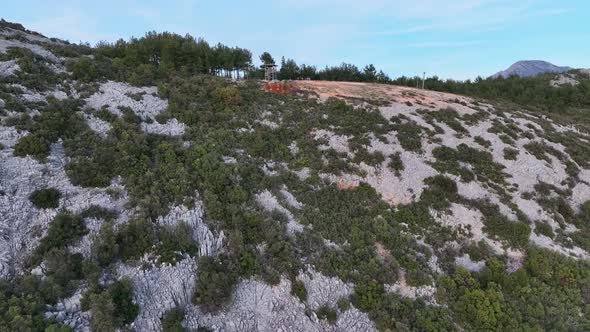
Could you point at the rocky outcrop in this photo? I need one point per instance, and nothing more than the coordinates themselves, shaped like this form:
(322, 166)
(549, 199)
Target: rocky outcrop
(261, 307)
(159, 289)
(143, 101)
(21, 223)
(8, 68)
(209, 243)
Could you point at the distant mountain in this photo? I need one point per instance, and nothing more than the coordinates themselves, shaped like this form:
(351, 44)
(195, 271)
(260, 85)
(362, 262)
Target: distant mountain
(527, 68)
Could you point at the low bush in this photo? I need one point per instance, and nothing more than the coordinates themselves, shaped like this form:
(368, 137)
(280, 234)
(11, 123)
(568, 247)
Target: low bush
(65, 229)
(215, 283)
(298, 289)
(31, 145)
(45, 198)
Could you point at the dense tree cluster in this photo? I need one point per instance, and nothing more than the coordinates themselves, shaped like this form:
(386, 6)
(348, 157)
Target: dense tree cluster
(534, 92)
(289, 70)
(157, 55)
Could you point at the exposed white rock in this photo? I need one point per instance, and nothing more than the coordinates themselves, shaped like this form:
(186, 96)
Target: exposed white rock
(395, 190)
(69, 312)
(117, 94)
(401, 288)
(268, 123)
(34, 96)
(159, 289)
(303, 173)
(8, 68)
(545, 242)
(270, 203)
(171, 128)
(9, 136)
(563, 79)
(209, 243)
(21, 224)
(5, 44)
(290, 199)
(336, 142)
(322, 290)
(469, 264)
(143, 101)
(260, 307)
(470, 220)
(6, 31)
(580, 195)
(293, 148)
(100, 126)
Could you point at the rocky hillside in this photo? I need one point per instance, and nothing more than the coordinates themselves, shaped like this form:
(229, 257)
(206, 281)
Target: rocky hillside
(205, 203)
(529, 68)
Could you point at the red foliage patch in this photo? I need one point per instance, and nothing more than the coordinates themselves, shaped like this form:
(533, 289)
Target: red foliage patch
(279, 87)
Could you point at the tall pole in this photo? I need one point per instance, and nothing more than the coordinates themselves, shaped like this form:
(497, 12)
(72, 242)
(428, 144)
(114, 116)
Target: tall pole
(423, 78)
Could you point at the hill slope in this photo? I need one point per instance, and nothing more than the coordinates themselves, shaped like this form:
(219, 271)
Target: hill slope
(205, 202)
(528, 68)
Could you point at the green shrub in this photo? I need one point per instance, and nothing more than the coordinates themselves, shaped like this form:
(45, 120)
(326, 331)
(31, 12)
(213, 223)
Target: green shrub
(510, 153)
(371, 159)
(325, 312)
(410, 136)
(343, 304)
(87, 173)
(396, 163)
(121, 293)
(83, 69)
(215, 283)
(440, 193)
(544, 229)
(172, 319)
(105, 249)
(298, 289)
(65, 229)
(482, 141)
(106, 115)
(135, 238)
(174, 241)
(228, 96)
(32, 145)
(515, 233)
(45, 198)
(99, 212)
(103, 312)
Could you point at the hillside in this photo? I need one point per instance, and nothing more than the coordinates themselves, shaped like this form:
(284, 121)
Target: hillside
(528, 68)
(133, 195)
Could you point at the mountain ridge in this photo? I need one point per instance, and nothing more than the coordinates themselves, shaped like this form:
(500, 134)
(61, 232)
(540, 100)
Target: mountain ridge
(529, 68)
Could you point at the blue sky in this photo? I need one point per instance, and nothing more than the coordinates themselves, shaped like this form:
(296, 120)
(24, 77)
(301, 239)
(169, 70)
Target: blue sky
(452, 39)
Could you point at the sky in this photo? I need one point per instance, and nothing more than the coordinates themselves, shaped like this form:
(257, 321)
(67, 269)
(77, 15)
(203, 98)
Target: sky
(458, 39)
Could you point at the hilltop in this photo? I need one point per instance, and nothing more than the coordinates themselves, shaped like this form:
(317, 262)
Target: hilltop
(528, 68)
(157, 195)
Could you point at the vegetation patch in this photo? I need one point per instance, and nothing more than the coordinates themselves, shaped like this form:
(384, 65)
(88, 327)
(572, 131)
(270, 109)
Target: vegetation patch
(396, 164)
(542, 151)
(510, 153)
(45, 198)
(483, 165)
(409, 135)
(448, 116)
